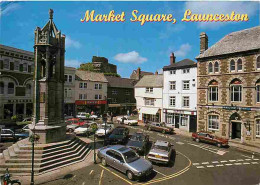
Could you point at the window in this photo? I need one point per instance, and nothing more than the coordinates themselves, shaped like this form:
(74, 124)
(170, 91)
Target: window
(83, 85)
(258, 63)
(82, 96)
(16, 65)
(232, 65)
(66, 93)
(210, 68)
(184, 71)
(114, 92)
(127, 100)
(172, 85)
(114, 100)
(29, 68)
(69, 94)
(213, 122)
(1, 64)
(28, 89)
(172, 101)
(184, 120)
(25, 67)
(98, 86)
(216, 67)
(236, 91)
(258, 93)
(213, 91)
(68, 78)
(186, 101)
(149, 101)
(186, 85)
(98, 97)
(239, 65)
(11, 66)
(172, 72)
(10, 88)
(257, 128)
(80, 85)
(21, 67)
(2, 87)
(6, 64)
(149, 90)
(127, 92)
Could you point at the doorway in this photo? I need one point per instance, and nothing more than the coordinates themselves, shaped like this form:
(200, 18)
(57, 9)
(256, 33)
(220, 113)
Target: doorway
(236, 130)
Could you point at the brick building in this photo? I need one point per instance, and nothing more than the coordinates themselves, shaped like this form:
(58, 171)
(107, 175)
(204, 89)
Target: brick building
(16, 82)
(229, 86)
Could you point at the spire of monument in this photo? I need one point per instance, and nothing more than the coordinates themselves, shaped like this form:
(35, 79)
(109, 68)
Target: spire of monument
(51, 13)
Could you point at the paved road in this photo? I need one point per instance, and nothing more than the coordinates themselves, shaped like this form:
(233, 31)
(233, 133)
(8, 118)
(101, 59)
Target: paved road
(194, 163)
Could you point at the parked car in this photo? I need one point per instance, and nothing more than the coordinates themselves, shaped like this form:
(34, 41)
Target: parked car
(71, 128)
(209, 138)
(94, 117)
(66, 117)
(120, 118)
(139, 142)
(101, 131)
(159, 127)
(83, 115)
(125, 160)
(8, 134)
(75, 121)
(160, 152)
(127, 121)
(86, 129)
(119, 135)
(25, 128)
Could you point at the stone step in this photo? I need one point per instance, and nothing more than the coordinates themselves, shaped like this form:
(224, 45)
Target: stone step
(60, 147)
(27, 156)
(18, 160)
(20, 171)
(19, 165)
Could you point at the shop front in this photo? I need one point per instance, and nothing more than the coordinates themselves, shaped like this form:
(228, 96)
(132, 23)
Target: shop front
(149, 114)
(121, 109)
(97, 106)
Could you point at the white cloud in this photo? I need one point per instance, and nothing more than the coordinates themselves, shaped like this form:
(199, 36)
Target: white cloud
(160, 71)
(170, 29)
(73, 63)
(72, 43)
(200, 7)
(131, 57)
(181, 52)
(8, 8)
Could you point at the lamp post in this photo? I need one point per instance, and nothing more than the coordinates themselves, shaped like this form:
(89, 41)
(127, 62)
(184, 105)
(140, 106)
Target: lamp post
(105, 120)
(32, 138)
(95, 161)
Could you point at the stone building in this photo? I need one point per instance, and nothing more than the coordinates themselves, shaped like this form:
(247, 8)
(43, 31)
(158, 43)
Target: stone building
(101, 65)
(229, 86)
(90, 92)
(120, 95)
(138, 74)
(180, 94)
(69, 91)
(16, 82)
(148, 95)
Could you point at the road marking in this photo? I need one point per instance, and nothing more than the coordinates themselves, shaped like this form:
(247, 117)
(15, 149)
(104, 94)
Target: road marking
(223, 161)
(196, 164)
(220, 152)
(205, 163)
(73, 176)
(248, 159)
(219, 165)
(228, 164)
(101, 175)
(254, 162)
(232, 160)
(256, 159)
(180, 143)
(208, 148)
(200, 166)
(246, 156)
(91, 172)
(240, 160)
(215, 162)
(159, 172)
(83, 183)
(246, 163)
(210, 166)
(238, 163)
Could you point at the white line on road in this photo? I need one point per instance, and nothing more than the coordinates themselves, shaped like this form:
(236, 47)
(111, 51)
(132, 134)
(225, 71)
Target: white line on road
(246, 163)
(159, 172)
(219, 165)
(256, 159)
(228, 164)
(238, 163)
(246, 156)
(215, 162)
(83, 183)
(91, 172)
(240, 160)
(223, 161)
(205, 163)
(248, 159)
(200, 166)
(210, 166)
(180, 143)
(232, 160)
(101, 175)
(196, 164)
(254, 162)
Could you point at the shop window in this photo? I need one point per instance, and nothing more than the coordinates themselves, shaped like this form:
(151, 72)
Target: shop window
(184, 120)
(172, 85)
(236, 91)
(10, 88)
(2, 87)
(213, 122)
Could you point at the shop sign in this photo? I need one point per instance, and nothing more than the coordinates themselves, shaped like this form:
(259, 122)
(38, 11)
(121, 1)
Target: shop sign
(236, 108)
(90, 102)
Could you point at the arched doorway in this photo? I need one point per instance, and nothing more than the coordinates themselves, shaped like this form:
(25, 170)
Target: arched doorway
(235, 126)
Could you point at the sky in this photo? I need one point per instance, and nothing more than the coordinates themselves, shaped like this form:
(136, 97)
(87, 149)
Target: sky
(126, 44)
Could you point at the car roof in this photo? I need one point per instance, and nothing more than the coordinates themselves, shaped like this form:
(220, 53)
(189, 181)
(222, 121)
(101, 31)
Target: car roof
(120, 148)
(161, 143)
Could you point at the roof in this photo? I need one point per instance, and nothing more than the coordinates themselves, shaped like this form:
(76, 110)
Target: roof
(119, 82)
(150, 81)
(90, 76)
(244, 40)
(162, 143)
(12, 49)
(185, 63)
(143, 73)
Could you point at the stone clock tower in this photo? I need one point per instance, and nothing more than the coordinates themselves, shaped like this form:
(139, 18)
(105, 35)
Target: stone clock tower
(49, 54)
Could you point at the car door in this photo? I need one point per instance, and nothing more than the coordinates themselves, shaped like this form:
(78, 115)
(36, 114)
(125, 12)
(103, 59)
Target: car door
(7, 134)
(119, 162)
(110, 157)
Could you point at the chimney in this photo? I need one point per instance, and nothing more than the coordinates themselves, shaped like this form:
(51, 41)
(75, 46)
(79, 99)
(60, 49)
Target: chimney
(203, 42)
(138, 73)
(172, 59)
(156, 73)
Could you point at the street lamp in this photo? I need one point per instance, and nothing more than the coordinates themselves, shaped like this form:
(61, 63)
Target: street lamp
(105, 120)
(95, 161)
(34, 137)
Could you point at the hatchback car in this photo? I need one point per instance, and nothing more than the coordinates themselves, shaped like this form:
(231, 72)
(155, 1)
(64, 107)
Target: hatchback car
(125, 160)
(75, 121)
(139, 142)
(86, 129)
(119, 135)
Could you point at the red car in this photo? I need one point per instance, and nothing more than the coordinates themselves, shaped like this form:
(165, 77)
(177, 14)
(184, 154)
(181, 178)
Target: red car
(75, 121)
(209, 138)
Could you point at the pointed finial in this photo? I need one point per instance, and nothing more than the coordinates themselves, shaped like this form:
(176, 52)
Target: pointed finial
(51, 13)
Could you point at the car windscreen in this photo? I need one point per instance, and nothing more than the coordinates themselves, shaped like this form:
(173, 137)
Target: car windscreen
(159, 147)
(130, 156)
(137, 138)
(118, 131)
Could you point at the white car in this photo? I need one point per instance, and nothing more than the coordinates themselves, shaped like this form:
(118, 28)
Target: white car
(86, 129)
(93, 117)
(127, 121)
(101, 131)
(82, 115)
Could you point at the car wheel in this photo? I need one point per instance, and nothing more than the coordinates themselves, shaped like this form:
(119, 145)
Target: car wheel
(130, 175)
(163, 131)
(197, 140)
(103, 161)
(219, 145)
(70, 130)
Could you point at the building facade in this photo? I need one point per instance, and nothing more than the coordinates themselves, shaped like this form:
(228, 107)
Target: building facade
(16, 82)
(180, 94)
(120, 95)
(69, 91)
(90, 92)
(138, 74)
(229, 86)
(101, 65)
(148, 95)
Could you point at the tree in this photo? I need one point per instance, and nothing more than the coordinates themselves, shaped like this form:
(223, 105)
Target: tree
(87, 67)
(112, 74)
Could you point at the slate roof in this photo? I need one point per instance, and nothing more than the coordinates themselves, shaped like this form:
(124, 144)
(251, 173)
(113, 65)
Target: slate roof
(120, 82)
(244, 40)
(90, 76)
(185, 63)
(150, 81)
(143, 73)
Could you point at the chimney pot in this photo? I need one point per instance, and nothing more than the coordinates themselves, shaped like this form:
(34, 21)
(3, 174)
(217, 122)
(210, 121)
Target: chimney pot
(203, 42)
(138, 73)
(172, 59)
(156, 73)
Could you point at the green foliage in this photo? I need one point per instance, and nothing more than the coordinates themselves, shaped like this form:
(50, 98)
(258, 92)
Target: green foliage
(112, 74)
(14, 117)
(87, 115)
(87, 67)
(94, 127)
(23, 122)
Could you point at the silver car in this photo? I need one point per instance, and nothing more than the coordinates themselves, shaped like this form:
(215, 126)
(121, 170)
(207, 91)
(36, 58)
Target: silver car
(125, 160)
(160, 152)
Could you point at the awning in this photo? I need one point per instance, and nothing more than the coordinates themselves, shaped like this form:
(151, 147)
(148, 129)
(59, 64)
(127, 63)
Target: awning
(114, 105)
(148, 110)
